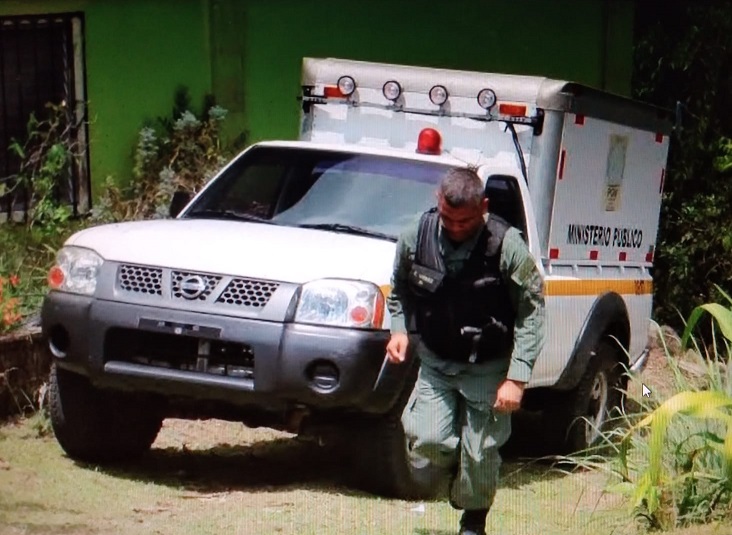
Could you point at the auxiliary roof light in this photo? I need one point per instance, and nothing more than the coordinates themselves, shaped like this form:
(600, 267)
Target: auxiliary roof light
(486, 98)
(346, 85)
(438, 95)
(392, 90)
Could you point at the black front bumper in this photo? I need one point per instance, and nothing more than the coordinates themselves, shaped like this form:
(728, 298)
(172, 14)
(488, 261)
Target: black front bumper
(242, 362)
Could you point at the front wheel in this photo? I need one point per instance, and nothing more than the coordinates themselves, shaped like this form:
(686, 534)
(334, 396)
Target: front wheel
(95, 425)
(387, 467)
(383, 461)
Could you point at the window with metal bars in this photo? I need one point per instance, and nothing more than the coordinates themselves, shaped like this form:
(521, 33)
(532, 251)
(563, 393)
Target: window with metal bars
(41, 61)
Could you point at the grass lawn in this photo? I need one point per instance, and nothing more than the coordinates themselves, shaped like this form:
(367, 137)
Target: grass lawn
(217, 477)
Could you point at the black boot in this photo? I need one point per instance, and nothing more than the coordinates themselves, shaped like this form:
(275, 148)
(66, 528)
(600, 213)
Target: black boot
(473, 522)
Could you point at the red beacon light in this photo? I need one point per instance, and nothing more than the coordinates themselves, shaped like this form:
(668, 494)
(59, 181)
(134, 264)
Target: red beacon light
(429, 142)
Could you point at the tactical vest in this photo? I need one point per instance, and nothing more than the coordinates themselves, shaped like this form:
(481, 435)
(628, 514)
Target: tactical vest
(466, 316)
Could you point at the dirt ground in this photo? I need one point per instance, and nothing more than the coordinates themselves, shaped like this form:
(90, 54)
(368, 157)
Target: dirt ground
(658, 374)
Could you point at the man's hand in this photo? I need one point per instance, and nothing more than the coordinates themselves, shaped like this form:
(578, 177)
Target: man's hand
(508, 398)
(396, 349)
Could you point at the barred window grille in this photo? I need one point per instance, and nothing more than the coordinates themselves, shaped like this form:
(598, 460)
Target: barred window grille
(41, 61)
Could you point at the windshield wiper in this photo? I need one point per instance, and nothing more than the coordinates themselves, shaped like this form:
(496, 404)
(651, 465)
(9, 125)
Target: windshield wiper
(228, 214)
(349, 229)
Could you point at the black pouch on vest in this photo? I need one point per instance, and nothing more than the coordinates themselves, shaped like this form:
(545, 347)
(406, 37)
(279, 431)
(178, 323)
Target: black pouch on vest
(426, 278)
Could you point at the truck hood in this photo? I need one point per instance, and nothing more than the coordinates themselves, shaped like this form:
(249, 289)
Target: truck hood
(245, 249)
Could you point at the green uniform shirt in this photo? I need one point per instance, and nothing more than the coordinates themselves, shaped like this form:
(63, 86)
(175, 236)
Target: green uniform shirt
(524, 286)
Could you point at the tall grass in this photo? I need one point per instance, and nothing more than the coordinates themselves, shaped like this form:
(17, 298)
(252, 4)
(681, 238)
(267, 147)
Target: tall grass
(673, 458)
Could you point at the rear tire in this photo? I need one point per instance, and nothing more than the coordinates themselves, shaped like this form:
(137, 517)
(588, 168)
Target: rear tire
(93, 425)
(586, 412)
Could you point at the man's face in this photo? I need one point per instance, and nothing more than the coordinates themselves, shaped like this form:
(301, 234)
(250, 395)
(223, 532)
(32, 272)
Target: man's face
(461, 223)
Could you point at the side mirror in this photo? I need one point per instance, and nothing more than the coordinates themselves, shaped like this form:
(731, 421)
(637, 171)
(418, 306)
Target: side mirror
(179, 201)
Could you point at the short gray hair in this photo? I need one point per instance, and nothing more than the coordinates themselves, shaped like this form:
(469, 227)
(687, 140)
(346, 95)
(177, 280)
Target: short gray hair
(462, 187)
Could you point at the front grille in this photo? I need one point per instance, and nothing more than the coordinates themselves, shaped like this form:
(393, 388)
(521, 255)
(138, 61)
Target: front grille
(177, 277)
(195, 287)
(187, 353)
(141, 280)
(248, 293)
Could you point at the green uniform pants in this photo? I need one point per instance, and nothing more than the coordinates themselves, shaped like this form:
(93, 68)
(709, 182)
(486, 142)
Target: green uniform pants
(450, 420)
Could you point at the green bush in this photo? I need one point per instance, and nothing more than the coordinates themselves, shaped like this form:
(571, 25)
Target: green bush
(47, 157)
(180, 153)
(27, 255)
(684, 54)
(177, 153)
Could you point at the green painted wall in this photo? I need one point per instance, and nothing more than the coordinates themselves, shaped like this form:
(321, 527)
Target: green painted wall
(137, 53)
(228, 52)
(248, 53)
(588, 41)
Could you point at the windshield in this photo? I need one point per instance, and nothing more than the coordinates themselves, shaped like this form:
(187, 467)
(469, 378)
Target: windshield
(345, 192)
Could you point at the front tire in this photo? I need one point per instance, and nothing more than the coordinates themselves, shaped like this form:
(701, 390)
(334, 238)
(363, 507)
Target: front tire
(93, 425)
(386, 466)
(383, 463)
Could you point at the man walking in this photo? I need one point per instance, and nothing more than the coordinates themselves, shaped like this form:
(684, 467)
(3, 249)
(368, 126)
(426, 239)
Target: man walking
(472, 288)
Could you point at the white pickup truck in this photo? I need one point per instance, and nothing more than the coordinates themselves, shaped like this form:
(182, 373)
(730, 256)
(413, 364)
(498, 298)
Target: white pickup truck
(262, 300)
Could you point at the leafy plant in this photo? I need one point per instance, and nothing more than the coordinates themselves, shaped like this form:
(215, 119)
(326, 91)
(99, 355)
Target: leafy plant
(721, 314)
(47, 158)
(9, 302)
(180, 153)
(27, 254)
(723, 162)
(674, 459)
(688, 477)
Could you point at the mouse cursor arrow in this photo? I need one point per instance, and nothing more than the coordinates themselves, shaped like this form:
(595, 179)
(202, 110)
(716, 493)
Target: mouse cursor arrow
(645, 391)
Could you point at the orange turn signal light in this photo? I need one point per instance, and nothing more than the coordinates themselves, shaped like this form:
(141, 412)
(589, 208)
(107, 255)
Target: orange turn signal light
(56, 277)
(360, 314)
(512, 109)
(333, 91)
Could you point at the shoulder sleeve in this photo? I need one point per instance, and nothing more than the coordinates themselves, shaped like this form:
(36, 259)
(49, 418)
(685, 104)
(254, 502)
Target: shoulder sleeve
(398, 301)
(527, 294)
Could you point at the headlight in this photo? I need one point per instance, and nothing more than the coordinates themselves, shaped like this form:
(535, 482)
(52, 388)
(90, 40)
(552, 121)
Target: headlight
(341, 303)
(76, 271)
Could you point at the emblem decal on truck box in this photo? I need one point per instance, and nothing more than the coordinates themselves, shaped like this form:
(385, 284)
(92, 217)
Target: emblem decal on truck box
(615, 169)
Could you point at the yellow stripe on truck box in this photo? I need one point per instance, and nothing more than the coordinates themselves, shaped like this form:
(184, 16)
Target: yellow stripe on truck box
(566, 288)
(597, 286)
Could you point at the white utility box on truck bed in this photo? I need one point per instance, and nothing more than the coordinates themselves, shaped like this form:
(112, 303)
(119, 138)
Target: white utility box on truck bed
(263, 300)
